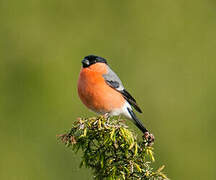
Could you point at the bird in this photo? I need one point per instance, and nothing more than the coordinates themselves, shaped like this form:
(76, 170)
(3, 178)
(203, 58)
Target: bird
(101, 90)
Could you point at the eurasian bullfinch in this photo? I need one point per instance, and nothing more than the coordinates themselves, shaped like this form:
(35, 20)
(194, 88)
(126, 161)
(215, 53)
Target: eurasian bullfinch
(101, 90)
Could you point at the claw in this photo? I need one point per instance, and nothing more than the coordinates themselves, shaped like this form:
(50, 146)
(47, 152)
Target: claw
(106, 115)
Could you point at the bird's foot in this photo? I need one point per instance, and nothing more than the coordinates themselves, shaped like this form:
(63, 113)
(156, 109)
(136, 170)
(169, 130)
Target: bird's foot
(106, 115)
(149, 138)
(120, 119)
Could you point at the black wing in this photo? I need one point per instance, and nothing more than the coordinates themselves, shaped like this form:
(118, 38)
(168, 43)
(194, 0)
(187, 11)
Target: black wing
(131, 100)
(113, 81)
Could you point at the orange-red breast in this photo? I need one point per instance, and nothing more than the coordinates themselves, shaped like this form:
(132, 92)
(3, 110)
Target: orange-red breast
(101, 90)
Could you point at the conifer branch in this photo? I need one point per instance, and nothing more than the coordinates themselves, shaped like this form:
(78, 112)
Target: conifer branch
(111, 150)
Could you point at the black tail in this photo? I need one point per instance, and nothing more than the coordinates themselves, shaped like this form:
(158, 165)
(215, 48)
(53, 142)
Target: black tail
(137, 121)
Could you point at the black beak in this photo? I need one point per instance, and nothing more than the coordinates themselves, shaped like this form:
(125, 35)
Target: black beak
(85, 62)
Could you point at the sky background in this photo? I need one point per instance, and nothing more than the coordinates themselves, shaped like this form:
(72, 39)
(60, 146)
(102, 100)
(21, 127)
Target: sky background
(164, 52)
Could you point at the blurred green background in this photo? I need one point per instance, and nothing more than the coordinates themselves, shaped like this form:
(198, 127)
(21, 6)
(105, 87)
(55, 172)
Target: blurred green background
(164, 52)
